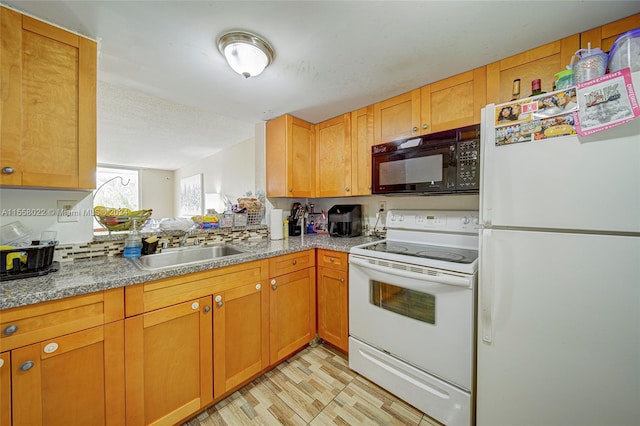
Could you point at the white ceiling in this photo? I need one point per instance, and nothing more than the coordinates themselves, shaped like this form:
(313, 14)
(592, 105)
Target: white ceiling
(167, 98)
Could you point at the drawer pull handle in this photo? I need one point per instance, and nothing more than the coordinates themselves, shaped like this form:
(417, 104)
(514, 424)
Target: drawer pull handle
(258, 286)
(7, 170)
(218, 300)
(50, 348)
(331, 259)
(27, 366)
(10, 329)
(295, 261)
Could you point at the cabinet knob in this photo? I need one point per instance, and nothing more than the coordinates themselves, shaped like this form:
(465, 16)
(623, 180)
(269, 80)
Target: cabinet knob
(27, 366)
(415, 129)
(273, 284)
(1, 362)
(218, 300)
(341, 280)
(290, 189)
(207, 308)
(10, 329)
(424, 126)
(195, 306)
(7, 170)
(295, 261)
(331, 259)
(50, 348)
(347, 189)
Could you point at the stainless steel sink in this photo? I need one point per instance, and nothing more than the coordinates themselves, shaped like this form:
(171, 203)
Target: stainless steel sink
(184, 256)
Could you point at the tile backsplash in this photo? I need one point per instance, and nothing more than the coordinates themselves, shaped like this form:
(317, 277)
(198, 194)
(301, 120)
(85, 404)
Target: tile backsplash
(113, 245)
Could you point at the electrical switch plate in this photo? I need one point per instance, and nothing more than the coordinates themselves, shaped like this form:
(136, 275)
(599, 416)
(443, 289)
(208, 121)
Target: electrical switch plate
(66, 213)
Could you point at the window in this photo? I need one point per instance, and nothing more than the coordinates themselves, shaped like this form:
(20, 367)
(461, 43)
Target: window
(117, 188)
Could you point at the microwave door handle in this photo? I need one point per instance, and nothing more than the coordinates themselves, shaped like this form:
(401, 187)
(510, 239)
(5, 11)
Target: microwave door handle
(440, 279)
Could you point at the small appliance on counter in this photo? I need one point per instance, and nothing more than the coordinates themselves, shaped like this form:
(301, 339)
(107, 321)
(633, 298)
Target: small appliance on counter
(345, 220)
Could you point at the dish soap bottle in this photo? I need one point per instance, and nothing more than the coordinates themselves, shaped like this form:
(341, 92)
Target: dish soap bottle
(133, 243)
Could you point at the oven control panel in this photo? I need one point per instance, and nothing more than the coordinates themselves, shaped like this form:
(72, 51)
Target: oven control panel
(433, 220)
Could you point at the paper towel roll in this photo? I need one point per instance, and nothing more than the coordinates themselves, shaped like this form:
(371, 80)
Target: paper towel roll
(275, 229)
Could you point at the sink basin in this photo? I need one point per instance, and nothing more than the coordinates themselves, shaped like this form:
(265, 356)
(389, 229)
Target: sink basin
(184, 256)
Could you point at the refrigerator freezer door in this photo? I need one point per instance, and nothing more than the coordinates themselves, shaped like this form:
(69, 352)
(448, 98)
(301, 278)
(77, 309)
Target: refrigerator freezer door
(591, 183)
(559, 330)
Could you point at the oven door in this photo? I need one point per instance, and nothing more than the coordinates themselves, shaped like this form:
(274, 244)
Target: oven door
(420, 315)
(422, 169)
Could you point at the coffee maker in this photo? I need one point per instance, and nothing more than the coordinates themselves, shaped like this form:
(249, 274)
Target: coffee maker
(345, 220)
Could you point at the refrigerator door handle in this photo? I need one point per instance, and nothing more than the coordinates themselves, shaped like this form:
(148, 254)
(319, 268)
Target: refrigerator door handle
(486, 288)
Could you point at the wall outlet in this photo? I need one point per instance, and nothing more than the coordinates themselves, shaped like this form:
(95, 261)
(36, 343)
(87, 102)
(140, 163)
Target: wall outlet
(66, 213)
(382, 206)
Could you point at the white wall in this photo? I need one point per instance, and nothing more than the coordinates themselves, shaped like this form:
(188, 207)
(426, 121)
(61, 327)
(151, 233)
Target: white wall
(231, 172)
(156, 192)
(36, 209)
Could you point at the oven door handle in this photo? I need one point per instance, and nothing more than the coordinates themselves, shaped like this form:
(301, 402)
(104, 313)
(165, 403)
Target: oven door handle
(439, 278)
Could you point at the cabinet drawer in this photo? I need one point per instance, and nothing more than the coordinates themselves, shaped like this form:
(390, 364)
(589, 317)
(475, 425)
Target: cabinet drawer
(291, 262)
(333, 260)
(170, 291)
(30, 324)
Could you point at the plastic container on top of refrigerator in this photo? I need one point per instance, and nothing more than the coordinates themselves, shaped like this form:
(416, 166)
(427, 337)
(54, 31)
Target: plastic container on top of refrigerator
(626, 52)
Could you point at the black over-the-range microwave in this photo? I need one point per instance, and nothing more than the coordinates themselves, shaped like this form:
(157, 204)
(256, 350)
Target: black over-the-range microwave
(440, 163)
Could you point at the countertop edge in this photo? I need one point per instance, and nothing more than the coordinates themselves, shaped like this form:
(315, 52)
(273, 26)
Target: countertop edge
(89, 276)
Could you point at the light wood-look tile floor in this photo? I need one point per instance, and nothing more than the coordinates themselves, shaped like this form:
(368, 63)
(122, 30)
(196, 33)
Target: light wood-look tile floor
(314, 387)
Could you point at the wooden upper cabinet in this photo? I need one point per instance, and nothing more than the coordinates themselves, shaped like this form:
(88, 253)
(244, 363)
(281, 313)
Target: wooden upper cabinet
(397, 118)
(604, 36)
(361, 142)
(456, 101)
(48, 129)
(446, 104)
(333, 165)
(290, 157)
(543, 62)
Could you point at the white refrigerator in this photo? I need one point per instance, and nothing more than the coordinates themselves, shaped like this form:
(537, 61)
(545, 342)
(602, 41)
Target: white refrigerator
(558, 339)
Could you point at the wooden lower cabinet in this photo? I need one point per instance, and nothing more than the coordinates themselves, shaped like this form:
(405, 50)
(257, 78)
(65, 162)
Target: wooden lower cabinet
(292, 310)
(240, 336)
(75, 379)
(169, 363)
(5, 388)
(333, 298)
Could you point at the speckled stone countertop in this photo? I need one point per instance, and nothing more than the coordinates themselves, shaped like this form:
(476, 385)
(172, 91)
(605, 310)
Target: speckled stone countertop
(87, 276)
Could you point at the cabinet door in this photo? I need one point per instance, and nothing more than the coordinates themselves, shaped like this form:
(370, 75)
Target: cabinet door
(361, 142)
(333, 302)
(333, 142)
(169, 363)
(290, 157)
(49, 105)
(5, 388)
(76, 379)
(397, 118)
(240, 336)
(542, 62)
(457, 101)
(604, 36)
(292, 310)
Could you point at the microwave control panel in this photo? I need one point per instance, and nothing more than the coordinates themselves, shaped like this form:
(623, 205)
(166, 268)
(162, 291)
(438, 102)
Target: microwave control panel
(468, 171)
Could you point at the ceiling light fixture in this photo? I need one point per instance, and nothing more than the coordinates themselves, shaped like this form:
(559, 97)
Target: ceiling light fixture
(247, 54)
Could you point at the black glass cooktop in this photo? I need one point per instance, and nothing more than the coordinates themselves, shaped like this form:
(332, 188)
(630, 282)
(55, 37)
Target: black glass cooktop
(427, 251)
